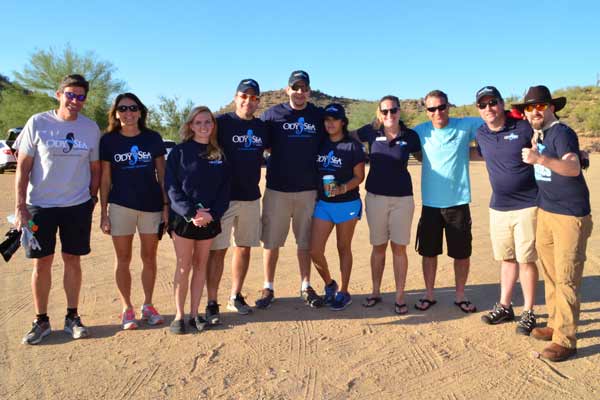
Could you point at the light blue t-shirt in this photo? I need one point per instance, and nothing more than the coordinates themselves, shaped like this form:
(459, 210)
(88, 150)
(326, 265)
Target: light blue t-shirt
(445, 170)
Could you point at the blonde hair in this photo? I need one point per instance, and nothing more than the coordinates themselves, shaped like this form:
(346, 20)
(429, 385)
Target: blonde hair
(213, 150)
(379, 115)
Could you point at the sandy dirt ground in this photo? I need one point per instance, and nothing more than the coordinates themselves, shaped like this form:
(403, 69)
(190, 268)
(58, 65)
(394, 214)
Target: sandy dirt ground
(291, 351)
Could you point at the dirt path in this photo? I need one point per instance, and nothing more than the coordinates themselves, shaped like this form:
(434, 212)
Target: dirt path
(291, 351)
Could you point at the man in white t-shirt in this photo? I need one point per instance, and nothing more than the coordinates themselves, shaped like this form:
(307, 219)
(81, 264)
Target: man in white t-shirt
(57, 181)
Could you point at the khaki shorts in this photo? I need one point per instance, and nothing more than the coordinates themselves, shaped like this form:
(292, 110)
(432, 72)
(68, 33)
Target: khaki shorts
(513, 234)
(389, 218)
(243, 217)
(278, 208)
(124, 220)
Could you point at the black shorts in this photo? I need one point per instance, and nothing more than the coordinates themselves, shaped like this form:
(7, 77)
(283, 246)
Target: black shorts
(188, 230)
(457, 223)
(74, 225)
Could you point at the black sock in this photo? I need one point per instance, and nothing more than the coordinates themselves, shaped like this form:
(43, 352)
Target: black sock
(42, 317)
(71, 312)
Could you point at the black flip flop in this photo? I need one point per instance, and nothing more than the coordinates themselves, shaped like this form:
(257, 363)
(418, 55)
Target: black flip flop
(425, 304)
(464, 306)
(399, 307)
(371, 301)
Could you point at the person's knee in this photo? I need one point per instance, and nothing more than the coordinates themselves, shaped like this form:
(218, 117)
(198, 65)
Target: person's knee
(379, 249)
(398, 249)
(71, 261)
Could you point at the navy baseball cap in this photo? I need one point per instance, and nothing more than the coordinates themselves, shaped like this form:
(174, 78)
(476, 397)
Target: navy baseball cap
(487, 91)
(335, 110)
(298, 76)
(246, 84)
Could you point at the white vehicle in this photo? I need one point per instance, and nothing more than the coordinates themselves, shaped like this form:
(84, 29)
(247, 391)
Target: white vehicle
(169, 144)
(8, 160)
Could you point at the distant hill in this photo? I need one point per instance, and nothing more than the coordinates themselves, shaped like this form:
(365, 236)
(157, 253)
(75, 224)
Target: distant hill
(582, 112)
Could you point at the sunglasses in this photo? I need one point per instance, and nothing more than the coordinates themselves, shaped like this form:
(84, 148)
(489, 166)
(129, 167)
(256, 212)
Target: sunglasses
(441, 107)
(300, 88)
(73, 96)
(392, 110)
(538, 107)
(245, 96)
(132, 108)
(491, 103)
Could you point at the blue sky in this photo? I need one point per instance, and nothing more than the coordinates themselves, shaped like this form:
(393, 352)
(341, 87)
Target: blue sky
(200, 50)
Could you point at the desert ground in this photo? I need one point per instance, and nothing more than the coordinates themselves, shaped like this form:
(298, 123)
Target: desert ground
(291, 351)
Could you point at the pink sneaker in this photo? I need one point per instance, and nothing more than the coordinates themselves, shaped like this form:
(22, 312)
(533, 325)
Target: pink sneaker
(128, 319)
(151, 316)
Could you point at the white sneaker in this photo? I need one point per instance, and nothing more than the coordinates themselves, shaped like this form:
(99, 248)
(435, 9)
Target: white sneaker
(128, 319)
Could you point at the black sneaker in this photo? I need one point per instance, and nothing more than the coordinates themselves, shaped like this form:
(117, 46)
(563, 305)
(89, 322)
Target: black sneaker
(499, 314)
(213, 317)
(311, 298)
(198, 323)
(330, 292)
(39, 330)
(526, 324)
(75, 328)
(177, 327)
(266, 298)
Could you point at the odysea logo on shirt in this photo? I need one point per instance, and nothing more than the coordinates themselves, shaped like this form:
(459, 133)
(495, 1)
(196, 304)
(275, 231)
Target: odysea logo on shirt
(300, 128)
(134, 156)
(329, 160)
(215, 162)
(249, 140)
(511, 137)
(67, 144)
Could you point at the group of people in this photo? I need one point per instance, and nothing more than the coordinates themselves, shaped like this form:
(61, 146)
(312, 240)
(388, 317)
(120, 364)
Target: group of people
(208, 191)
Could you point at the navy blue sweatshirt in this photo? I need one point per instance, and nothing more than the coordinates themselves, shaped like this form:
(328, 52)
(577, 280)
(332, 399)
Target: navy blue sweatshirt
(191, 178)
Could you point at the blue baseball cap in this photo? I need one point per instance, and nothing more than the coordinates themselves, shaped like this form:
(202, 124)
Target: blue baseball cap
(335, 110)
(246, 84)
(298, 76)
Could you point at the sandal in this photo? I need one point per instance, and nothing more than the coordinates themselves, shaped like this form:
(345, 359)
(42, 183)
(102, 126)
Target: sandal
(425, 304)
(465, 306)
(400, 309)
(371, 301)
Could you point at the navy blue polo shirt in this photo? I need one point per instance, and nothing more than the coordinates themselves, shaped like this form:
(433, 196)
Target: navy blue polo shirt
(243, 142)
(388, 173)
(339, 159)
(132, 169)
(512, 180)
(567, 195)
(295, 138)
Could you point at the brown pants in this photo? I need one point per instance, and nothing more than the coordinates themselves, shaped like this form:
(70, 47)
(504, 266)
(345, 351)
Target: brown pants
(561, 244)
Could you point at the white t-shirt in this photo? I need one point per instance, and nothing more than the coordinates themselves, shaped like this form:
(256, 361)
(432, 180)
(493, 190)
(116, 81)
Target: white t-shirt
(62, 152)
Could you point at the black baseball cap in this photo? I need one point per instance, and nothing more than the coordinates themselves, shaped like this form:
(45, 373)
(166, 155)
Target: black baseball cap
(246, 84)
(298, 76)
(487, 91)
(335, 110)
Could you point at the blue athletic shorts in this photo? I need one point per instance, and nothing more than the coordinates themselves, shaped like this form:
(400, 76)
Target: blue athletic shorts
(338, 212)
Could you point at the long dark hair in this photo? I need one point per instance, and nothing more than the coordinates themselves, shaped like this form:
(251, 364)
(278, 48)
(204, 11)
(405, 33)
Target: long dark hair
(114, 124)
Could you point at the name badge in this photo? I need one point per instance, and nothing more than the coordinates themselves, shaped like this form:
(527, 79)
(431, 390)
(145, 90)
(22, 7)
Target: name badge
(381, 139)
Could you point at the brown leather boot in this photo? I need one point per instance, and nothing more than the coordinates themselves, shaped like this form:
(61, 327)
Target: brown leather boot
(542, 333)
(556, 352)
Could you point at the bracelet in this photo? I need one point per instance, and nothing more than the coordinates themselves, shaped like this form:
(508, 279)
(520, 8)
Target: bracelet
(345, 188)
(94, 198)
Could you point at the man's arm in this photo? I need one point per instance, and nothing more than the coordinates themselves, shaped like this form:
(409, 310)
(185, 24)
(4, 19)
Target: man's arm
(24, 165)
(568, 165)
(474, 154)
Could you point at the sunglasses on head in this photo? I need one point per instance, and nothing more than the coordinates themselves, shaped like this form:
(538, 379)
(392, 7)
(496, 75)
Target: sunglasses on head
(245, 96)
(484, 104)
(132, 108)
(392, 110)
(539, 107)
(73, 96)
(441, 107)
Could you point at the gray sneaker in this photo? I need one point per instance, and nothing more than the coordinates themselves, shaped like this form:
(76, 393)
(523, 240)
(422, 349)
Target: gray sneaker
(311, 298)
(239, 305)
(75, 328)
(527, 323)
(39, 330)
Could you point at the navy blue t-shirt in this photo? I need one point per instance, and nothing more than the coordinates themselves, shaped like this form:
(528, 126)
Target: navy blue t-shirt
(567, 195)
(243, 142)
(192, 179)
(339, 159)
(295, 138)
(513, 182)
(133, 173)
(388, 173)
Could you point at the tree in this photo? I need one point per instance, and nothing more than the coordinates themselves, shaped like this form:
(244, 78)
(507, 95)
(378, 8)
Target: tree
(169, 116)
(47, 68)
(18, 104)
